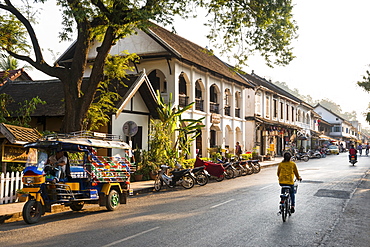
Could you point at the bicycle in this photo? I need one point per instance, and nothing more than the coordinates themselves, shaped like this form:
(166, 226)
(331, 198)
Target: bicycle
(286, 201)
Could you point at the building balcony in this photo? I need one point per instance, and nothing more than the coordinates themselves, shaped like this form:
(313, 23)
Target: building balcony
(227, 111)
(199, 104)
(183, 100)
(214, 107)
(237, 112)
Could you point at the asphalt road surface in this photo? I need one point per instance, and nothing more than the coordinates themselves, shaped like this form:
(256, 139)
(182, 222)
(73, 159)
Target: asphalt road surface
(332, 209)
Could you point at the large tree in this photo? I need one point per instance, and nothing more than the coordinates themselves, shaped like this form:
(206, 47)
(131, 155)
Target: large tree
(365, 84)
(240, 27)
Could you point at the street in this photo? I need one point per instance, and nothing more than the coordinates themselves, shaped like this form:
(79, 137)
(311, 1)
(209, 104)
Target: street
(236, 212)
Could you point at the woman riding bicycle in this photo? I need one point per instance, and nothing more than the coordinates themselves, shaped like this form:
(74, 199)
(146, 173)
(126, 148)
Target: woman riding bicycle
(286, 171)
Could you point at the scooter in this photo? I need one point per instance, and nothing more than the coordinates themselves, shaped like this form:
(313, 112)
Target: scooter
(300, 156)
(181, 177)
(352, 159)
(230, 171)
(201, 175)
(314, 154)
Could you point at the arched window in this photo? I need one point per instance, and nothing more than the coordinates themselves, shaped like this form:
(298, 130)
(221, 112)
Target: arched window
(199, 96)
(158, 81)
(227, 102)
(183, 96)
(214, 106)
(237, 104)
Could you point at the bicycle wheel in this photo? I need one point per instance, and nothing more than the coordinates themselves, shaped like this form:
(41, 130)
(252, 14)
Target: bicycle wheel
(284, 210)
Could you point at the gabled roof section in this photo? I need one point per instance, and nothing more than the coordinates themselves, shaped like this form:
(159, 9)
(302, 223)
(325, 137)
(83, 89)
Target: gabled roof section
(142, 84)
(52, 92)
(12, 75)
(328, 110)
(19, 135)
(192, 53)
(262, 82)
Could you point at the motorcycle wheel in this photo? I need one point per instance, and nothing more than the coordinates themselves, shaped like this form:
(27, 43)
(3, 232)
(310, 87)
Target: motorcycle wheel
(77, 206)
(32, 212)
(293, 158)
(256, 168)
(318, 156)
(187, 181)
(229, 173)
(158, 184)
(112, 200)
(220, 178)
(305, 158)
(249, 169)
(202, 179)
(243, 171)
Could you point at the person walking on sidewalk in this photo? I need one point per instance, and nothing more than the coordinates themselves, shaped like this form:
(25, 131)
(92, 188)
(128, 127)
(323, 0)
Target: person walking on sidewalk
(286, 171)
(238, 150)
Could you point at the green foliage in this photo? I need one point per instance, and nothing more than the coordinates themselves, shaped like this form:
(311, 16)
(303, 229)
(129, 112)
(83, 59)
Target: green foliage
(21, 116)
(365, 84)
(115, 69)
(256, 25)
(246, 156)
(214, 153)
(171, 136)
(10, 63)
(13, 34)
(238, 28)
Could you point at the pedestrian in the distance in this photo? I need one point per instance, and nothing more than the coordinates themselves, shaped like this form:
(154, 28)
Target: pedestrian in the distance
(238, 150)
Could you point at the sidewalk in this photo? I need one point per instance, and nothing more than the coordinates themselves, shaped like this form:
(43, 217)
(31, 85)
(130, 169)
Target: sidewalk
(13, 211)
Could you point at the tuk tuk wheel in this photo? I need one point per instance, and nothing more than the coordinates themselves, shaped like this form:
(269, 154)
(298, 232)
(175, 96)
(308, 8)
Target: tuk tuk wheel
(112, 200)
(77, 206)
(32, 212)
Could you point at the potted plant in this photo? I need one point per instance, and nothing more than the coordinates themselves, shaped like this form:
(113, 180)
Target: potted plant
(22, 195)
(138, 175)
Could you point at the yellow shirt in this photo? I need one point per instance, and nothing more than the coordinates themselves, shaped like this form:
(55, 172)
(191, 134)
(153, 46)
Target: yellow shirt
(286, 172)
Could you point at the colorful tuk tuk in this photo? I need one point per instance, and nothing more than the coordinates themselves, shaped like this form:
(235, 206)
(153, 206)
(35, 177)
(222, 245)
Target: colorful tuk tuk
(88, 178)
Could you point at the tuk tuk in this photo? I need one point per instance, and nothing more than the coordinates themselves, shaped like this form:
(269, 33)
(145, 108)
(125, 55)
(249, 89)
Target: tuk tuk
(87, 179)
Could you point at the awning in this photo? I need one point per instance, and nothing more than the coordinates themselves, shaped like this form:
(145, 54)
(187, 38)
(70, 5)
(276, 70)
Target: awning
(325, 138)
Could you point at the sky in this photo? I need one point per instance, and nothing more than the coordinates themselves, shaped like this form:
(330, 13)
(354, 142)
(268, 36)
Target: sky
(332, 50)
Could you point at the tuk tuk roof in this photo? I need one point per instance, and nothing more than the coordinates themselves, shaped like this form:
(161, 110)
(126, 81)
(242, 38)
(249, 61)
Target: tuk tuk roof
(79, 140)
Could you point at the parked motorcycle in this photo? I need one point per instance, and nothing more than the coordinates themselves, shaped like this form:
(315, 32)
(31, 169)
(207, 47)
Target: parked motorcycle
(239, 168)
(255, 165)
(177, 177)
(215, 170)
(201, 175)
(314, 154)
(300, 156)
(352, 159)
(230, 171)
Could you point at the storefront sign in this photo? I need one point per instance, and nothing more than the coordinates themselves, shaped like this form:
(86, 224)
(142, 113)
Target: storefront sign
(12, 153)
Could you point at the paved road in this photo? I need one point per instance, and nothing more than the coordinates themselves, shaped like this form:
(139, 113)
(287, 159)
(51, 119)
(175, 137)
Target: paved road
(237, 212)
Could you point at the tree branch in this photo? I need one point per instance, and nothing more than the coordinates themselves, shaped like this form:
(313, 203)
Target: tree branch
(30, 30)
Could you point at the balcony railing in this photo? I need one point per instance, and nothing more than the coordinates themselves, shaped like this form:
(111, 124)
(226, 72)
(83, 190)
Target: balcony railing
(199, 105)
(183, 100)
(237, 112)
(227, 111)
(214, 107)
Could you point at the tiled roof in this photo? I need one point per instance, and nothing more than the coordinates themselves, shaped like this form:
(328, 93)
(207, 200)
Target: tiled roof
(190, 52)
(52, 92)
(12, 75)
(19, 135)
